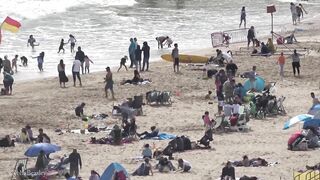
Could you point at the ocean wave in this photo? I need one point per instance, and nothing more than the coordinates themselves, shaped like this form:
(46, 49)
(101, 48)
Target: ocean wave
(33, 9)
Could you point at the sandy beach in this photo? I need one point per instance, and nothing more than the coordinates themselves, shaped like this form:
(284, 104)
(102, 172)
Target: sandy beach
(43, 104)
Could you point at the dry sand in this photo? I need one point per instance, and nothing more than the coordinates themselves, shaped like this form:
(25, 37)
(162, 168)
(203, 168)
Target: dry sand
(42, 103)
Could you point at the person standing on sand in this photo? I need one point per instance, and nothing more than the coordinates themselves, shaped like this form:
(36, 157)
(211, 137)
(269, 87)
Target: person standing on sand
(76, 72)
(251, 36)
(175, 57)
(109, 83)
(72, 41)
(14, 63)
(138, 57)
(7, 82)
(62, 74)
(31, 42)
(132, 48)
(6, 65)
(281, 61)
(75, 162)
(243, 17)
(294, 13)
(87, 62)
(296, 62)
(123, 63)
(146, 55)
(80, 56)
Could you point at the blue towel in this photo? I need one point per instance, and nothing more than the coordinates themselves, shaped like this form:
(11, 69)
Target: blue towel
(164, 136)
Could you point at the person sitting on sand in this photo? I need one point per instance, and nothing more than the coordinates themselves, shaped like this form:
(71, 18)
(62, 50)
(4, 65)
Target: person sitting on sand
(24, 138)
(123, 63)
(231, 68)
(208, 96)
(94, 175)
(129, 128)
(146, 135)
(136, 79)
(184, 165)
(245, 161)
(145, 169)
(315, 100)
(43, 137)
(264, 49)
(147, 152)
(79, 109)
(207, 138)
(228, 172)
(116, 135)
(30, 133)
(270, 46)
(165, 165)
(6, 142)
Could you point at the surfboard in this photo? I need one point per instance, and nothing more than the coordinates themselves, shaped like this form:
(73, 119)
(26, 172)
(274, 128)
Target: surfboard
(184, 58)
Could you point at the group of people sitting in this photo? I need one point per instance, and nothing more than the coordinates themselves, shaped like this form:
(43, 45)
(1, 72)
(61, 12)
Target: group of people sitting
(266, 49)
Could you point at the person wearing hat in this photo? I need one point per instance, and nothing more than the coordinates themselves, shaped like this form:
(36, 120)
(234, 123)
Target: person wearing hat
(109, 82)
(228, 172)
(123, 63)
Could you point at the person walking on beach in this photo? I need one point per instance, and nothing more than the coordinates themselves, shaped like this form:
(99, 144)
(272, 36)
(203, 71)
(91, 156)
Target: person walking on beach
(72, 41)
(40, 60)
(80, 56)
(32, 42)
(294, 13)
(146, 55)
(251, 36)
(243, 17)
(14, 63)
(281, 62)
(123, 63)
(109, 83)
(296, 62)
(62, 74)
(6, 65)
(75, 162)
(138, 57)
(76, 72)
(175, 57)
(61, 46)
(132, 48)
(87, 62)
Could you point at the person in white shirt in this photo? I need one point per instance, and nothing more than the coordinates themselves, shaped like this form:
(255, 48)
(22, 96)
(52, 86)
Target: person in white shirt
(87, 62)
(184, 165)
(72, 41)
(76, 71)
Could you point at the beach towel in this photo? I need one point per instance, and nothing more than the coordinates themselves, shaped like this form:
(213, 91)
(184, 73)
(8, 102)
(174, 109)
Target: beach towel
(164, 136)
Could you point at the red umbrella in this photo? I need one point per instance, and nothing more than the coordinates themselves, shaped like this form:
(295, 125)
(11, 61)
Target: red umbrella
(294, 137)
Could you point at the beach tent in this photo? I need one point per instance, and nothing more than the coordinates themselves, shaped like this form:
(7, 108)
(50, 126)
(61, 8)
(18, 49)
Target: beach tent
(259, 84)
(111, 170)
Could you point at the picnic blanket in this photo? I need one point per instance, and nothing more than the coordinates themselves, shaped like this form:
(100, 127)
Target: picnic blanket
(164, 136)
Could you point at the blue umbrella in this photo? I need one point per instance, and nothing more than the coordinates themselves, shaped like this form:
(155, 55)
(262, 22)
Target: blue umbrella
(297, 119)
(311, 123)
(259, 84)
(34, 150)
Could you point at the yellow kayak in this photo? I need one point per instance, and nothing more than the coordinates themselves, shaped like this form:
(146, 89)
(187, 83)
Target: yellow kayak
(184, 58)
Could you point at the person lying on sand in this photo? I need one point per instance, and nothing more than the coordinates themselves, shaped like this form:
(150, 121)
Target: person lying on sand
(135, 80)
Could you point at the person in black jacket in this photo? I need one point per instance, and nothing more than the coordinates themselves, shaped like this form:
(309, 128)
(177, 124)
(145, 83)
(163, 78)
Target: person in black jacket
(80, 56)
(138, 57)
(251, 36)
(228, 172)
(75, 162)
(146, 55)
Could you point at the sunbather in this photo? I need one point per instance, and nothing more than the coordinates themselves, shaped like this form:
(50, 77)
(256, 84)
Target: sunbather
(146, 135)
(184, 165)
(145, 169)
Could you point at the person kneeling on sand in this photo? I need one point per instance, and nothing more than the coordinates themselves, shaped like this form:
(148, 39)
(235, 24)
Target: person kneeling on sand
(228, 172)
(145, 169)
(184, 165)
(146, 135)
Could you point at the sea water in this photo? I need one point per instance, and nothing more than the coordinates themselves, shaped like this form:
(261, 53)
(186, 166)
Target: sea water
(103, 27)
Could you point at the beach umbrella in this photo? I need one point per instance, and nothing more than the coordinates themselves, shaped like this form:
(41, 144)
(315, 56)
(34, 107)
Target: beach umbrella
(314, 109)
(259, 84)
(297, 119)
(311, 123)
(34, 150)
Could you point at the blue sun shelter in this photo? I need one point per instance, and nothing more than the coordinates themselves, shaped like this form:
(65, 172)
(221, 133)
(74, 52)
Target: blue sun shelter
(111, 170)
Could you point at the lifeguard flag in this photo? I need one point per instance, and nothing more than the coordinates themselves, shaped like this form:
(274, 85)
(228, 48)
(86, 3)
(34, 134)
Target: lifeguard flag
(10, 25)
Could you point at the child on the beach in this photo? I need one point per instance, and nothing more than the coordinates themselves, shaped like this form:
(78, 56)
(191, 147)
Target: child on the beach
(61, 46)
(72, 41)
(123, 63)
(14, 63)
(32, 42)
(87, 62)
(24, 61)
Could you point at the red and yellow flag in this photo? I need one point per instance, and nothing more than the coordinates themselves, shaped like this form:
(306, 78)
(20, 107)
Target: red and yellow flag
(10, 25)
